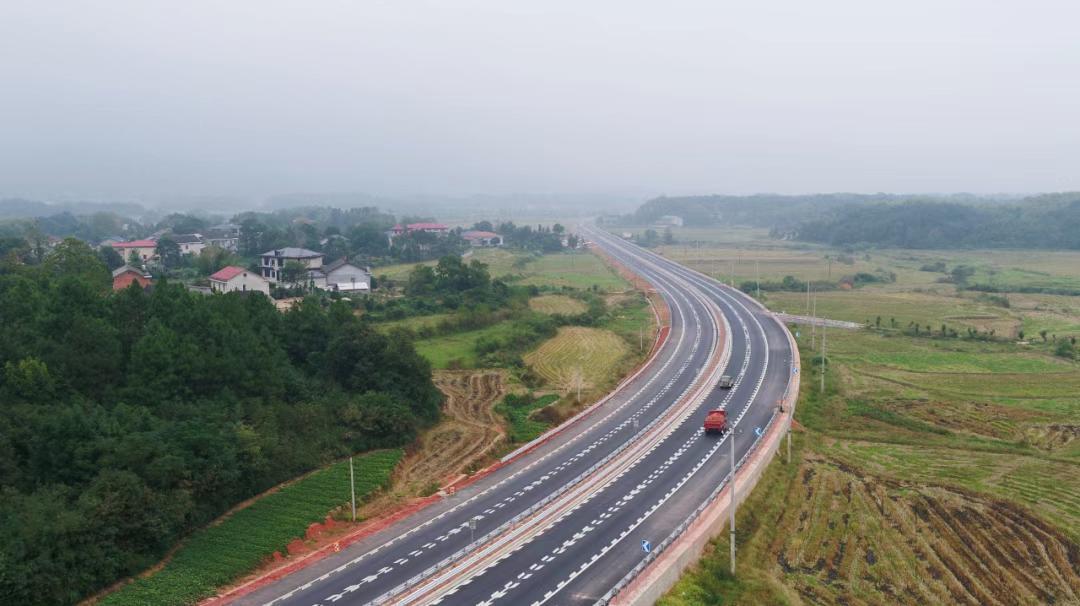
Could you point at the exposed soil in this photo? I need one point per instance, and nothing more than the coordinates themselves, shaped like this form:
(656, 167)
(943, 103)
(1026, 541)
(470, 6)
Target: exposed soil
(469, 431)
(860, 539)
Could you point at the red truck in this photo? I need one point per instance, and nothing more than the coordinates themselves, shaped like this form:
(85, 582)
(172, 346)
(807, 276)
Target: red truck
(716, 420)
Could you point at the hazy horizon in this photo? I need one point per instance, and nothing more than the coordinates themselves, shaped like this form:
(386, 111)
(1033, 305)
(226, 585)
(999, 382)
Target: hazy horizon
(143, 100)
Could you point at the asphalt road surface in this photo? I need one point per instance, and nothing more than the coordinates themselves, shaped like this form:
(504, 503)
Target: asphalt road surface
(565, 522)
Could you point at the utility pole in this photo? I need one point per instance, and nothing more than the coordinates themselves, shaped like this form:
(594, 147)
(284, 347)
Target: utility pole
(813, 324)
(352, 488)
(641, 337)
(733, 273)
(789, 443)
(579, 384)
(808, 296)
(757, 276)
(731, 439)
(823, 333)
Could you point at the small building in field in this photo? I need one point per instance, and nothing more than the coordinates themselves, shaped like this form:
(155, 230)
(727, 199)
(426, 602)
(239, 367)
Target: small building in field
(238, 279)
(341, 276)
(273, 262)
(482, 239)
(144, 249)
(126, 275)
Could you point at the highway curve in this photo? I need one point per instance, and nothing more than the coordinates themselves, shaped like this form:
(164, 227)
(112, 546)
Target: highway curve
(565, 522)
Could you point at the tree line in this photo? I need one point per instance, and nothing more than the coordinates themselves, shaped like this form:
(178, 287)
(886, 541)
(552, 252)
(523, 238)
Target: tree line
(127, 419)
(1048, 222)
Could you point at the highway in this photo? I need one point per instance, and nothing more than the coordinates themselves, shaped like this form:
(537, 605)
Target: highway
(565, 522)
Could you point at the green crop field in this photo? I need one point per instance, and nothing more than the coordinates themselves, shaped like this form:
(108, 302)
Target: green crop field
(459, 349)
(557, 304)
(219, 554)
(522, 426)
(577, 269)
(936, 469)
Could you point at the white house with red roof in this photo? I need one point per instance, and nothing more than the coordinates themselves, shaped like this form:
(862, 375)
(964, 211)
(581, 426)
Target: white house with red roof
(430, 228)
(238, 279)
(482, 239)
(145, 249)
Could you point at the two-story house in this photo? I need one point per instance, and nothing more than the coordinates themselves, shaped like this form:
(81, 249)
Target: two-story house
(341, 276)
(144, 250)
(190, 244)
(273, 262)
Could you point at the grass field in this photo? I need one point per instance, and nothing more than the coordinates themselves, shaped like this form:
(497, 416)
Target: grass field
(221, 553)
(458, 349)
(933, 470)
(577, 269)
(557, 304)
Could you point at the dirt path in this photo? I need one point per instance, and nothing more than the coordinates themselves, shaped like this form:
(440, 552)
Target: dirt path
(469, 431)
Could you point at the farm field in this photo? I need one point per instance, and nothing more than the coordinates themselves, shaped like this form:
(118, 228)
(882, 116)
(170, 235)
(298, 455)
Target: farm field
(578, 354)
(934, 469)
(557, 304)
(459, 349)
(578, 269)
(469, 431)
(574, 269)
(240, 542)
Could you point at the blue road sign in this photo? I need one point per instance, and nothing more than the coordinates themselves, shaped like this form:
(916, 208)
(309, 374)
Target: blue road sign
(646, 546)
(795, 369)
(757, 430)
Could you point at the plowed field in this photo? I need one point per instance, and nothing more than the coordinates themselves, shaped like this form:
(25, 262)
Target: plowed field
(469, 430)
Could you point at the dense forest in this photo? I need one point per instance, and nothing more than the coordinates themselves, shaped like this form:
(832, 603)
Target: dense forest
(129, 418)
(1051, 221)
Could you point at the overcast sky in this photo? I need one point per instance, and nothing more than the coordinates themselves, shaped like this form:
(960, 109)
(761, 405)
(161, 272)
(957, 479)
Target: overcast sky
(124, 98)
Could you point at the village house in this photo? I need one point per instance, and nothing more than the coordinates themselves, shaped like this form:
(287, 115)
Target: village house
(482, 239)
(341, 276)
(190, 244)
(430, 228)
(125, 275)
(273, 262)
(143, 249)
(225, 236)
(238, 279)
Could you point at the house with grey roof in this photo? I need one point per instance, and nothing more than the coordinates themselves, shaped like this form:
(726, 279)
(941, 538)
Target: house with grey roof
(341, 276)
(273, 262)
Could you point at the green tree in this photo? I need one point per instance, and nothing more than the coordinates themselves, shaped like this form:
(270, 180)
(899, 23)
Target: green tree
(110, 257)
(76, 259)
(1066, 349)
(169, 253)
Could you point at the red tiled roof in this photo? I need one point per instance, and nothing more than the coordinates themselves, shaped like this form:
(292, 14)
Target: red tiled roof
(413, 226)
(227, 273)
(135, 244)
(476, 235)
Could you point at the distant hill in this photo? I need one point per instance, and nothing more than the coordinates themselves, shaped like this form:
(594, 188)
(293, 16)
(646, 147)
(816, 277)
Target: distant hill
(769, 210)
(904, 221)
(1050, 221)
